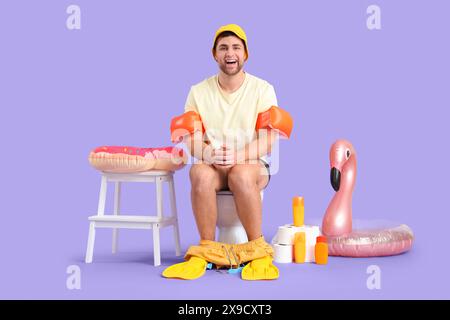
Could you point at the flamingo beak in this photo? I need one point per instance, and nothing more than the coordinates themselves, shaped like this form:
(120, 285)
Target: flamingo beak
(335, 177)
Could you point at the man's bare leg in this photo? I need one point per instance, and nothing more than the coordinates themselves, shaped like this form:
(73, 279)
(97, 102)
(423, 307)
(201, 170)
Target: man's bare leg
(246, 182)
(206, 180)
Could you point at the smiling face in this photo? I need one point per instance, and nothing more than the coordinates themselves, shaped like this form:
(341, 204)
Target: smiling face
(230, 54)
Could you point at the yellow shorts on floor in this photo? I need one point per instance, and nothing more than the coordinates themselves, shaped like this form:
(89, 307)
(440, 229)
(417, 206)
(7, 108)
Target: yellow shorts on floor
(230, 255)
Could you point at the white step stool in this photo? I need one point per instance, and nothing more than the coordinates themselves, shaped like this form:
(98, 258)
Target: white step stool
(117, 221)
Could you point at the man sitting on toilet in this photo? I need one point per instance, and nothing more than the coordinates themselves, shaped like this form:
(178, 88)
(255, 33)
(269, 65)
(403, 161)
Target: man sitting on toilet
(229, 125)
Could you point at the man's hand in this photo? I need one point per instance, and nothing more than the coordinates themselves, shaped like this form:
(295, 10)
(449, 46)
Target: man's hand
(225, 157)
(208, 154)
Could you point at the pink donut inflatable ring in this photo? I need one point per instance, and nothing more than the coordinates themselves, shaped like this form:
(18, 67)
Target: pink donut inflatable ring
(126, 159)
(345, 239)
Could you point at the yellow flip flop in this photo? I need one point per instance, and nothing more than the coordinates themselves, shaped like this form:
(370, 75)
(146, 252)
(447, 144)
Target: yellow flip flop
(260, 269)
(192, 269)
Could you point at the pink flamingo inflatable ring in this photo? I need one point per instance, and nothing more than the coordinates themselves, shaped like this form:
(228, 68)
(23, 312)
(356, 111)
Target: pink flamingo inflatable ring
(373, 239)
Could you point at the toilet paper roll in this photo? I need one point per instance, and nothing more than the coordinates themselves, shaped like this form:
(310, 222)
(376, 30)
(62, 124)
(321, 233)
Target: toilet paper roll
(283, 253)
(285, 235)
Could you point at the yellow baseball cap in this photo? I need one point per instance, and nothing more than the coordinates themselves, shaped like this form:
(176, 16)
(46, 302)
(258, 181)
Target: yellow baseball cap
(237, 30)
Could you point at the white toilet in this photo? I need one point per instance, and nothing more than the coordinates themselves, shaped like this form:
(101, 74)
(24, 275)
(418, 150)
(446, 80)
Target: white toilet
(230, 227)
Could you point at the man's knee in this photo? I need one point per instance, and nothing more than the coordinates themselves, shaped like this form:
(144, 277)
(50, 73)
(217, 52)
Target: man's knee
(203, 177)
(243, 177)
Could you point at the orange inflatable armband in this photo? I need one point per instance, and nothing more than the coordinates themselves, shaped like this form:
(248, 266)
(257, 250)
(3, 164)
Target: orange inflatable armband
(186, 124)
(277, 119)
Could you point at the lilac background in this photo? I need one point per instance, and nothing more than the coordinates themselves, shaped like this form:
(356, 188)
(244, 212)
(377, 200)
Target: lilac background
(121, 78)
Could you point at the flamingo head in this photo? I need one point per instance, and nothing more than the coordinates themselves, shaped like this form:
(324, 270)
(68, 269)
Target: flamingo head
(340, 153)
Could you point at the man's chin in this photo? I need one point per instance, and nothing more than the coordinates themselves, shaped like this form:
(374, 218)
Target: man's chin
(231, 72)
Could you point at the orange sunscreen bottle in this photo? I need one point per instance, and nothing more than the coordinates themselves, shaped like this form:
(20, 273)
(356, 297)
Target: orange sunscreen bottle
(299, 247)
(321, 250)
(298, 210)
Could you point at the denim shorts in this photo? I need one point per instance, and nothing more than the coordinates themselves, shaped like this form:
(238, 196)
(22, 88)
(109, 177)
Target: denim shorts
(268, 171)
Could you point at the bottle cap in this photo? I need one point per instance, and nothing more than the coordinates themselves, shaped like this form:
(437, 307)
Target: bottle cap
(321, 239)
(297, 201)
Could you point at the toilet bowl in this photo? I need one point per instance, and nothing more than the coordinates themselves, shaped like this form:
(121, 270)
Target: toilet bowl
(230, 227)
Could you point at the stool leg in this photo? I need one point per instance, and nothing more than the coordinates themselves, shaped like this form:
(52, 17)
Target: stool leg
(159, 198)
(155, 227)
(115, 234)
(102, 197)
(91, 241)
(156, 247)
(100, 212)
(173, 207)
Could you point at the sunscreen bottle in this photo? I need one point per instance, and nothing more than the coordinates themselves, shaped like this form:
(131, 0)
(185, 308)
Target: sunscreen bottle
(298, 210)
(321, 250)
(299, 247)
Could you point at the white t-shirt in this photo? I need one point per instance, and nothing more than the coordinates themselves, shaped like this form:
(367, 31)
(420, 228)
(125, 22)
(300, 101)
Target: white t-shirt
(230, 117)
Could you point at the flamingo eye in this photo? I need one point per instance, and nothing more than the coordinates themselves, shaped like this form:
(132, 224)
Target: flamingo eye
(347, 153)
